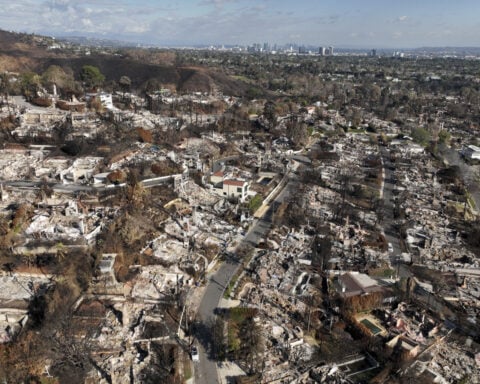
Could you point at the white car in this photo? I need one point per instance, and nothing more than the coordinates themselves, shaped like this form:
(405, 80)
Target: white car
(390, 247)
(194, 354)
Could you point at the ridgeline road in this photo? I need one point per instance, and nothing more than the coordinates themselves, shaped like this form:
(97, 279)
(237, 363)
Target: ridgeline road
(206, 368)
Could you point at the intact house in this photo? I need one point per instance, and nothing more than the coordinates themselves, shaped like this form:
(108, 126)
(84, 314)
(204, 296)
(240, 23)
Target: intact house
(235, 188)
(229, 187)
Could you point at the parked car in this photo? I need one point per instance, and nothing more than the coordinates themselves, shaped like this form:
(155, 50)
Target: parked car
(194, 354)
(390, 247)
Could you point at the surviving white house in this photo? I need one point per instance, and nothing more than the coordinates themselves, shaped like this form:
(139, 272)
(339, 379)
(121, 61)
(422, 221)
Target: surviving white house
(229, 187)
(235, 188)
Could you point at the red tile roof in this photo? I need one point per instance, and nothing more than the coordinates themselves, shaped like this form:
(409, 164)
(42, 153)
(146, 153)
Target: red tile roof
(236, 183)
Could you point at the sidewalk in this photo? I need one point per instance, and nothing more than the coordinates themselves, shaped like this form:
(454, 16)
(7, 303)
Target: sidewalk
(194, 298)
(228, 303)
(228, 370)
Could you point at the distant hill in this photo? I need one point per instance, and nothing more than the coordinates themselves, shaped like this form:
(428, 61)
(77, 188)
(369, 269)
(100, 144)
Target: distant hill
(21, 52)
(25, 52)
(183, 78)
(460, 51)
(97, 42)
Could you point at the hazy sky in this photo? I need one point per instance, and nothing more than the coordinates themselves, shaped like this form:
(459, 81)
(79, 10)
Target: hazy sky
(347, 23)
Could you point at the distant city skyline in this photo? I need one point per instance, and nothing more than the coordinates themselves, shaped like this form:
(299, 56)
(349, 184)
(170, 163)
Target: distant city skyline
(347, 23)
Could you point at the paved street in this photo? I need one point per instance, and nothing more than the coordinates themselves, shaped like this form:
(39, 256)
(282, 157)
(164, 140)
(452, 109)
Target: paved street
(391, 233)
(206, 368)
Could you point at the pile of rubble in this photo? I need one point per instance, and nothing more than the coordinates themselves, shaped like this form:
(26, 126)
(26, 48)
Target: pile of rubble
(449, 363)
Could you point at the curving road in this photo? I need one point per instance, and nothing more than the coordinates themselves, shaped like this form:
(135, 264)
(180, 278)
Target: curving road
(206, 367)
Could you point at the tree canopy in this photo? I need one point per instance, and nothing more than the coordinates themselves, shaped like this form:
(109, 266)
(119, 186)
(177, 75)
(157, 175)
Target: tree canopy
(91, 76)
(270, 114)
(421, 136)
(58, 76)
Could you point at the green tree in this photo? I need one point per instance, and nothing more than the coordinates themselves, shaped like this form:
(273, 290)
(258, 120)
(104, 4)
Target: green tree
(29, 83)
(91, 76)
(421, 136)
(444, 136)
(255, 203)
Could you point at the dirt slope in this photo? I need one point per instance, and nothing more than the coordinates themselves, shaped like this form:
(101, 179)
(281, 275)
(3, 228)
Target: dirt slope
(23, 52)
